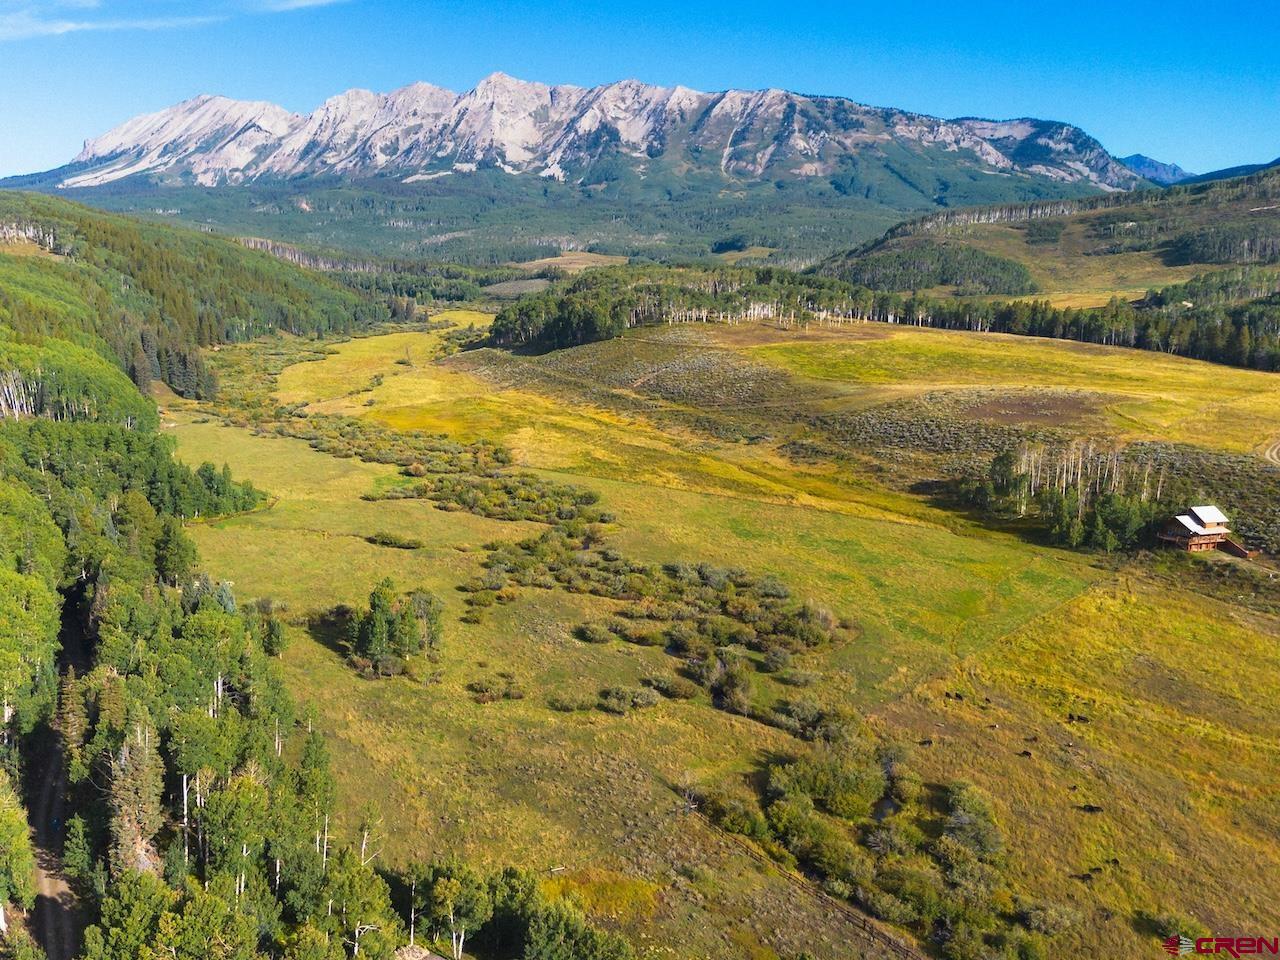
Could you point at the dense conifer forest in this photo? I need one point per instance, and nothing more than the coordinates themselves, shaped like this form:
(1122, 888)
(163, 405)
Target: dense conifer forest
(925, 263)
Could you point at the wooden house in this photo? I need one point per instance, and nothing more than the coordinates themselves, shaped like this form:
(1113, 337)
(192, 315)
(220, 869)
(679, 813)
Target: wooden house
(1200, 528)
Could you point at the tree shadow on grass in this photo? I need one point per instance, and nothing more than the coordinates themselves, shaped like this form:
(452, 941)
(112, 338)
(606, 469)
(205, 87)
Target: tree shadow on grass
(942, 495)
(1145, 924)
(332, 628)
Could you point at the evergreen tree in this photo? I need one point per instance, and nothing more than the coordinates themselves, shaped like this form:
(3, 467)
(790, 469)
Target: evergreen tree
(72, 723)
(375, 630)
(175, 553)
(273, 636)
(137, 778)
(316, 787)
(77, 854)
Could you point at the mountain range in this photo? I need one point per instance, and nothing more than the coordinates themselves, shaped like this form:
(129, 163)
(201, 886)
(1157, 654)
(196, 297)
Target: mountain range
(1156, 171)
(566, 133)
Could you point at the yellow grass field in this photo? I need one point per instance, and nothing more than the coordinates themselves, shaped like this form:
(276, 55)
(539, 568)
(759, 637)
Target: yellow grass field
(573, 261)
(1143, 394)
(1065, 269)
(733, 257)
(26, 248)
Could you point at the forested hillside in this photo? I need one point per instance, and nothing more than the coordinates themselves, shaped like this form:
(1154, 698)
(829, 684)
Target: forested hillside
(200, 796)
(1231, 316)
(150, 296)
(923, 262)
(1154, 214)
(489, 217)
(1111, 242)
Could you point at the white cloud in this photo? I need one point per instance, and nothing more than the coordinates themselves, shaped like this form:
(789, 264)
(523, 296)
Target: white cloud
(24, 24)
(26, 19)
(282, 6)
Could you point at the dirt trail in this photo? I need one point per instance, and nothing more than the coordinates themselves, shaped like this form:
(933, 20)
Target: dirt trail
(1272, 453)
(57, 924)
(57, 920)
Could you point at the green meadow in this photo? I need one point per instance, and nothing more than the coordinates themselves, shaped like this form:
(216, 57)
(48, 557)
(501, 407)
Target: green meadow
(940, 605)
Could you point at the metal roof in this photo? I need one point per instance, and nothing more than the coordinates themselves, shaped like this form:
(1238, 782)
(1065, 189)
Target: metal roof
(1191, 525)
(1209, 514)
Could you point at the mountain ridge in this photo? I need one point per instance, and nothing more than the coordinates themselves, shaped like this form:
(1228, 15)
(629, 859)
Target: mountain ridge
(564, 132)
(1229, 173)
(1157, 171)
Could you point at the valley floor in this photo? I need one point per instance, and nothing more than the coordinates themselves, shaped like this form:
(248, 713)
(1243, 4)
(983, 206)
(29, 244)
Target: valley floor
(975, 645)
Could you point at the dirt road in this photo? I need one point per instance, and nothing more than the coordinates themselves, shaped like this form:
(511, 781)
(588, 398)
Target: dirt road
(1272, 453)
(56, 919)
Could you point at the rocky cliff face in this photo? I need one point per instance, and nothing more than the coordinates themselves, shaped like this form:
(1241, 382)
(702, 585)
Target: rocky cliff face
(212, 138)
(563, 132)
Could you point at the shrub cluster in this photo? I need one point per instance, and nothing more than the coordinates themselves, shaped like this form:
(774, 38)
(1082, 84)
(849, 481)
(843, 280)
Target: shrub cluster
(622, 700)
(396, 540)
(713, 619)
(511, 496)
(417, 452)
(673, 688)
(570, 703)
(851, 813)
(501, 686)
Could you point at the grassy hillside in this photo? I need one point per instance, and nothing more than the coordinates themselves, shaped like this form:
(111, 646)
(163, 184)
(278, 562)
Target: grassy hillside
(1082, 252)
(1109, 391)
(971, 645)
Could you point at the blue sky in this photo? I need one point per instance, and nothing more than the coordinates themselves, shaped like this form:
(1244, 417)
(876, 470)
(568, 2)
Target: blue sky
(1198, 84)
